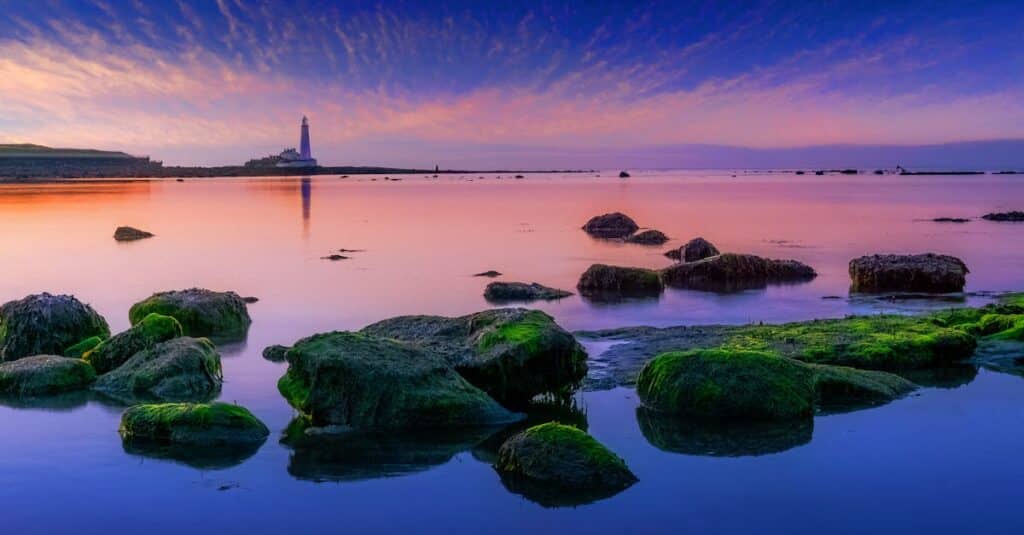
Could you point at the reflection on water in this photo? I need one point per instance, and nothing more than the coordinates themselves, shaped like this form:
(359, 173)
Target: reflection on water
(307, 200)
(682, 435)
(201, 457)
(953, 376)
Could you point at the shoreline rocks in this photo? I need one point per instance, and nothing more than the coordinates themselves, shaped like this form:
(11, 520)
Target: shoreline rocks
(697, 249)
(44, 375)
(604, 280)
(131, 234)
(116, 350)
(520, 291)
(648, 237)
(46, 324)
(611, 225)
(730, 272)
(927, 273)
(180, 369)
(199, 424)
(218, 315)
(1014, 216)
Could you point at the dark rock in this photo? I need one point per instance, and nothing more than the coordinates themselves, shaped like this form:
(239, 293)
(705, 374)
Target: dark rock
(275, 353)
(555, 465)
(45, 324)
(131, 234)
(201, 424)
(674, 254)
(222, 316)
(602, 280)
(930, 273)
(697, 249)
(44, 375)
(145, 334)
(489, 274)
(250, 299)
(648, 237)
(521, 291)
(180, 369)
(731, 272)
(334, 257)
(519, 176)
(78, 350)
(1014, 216)
(613, 225)
(513, 354)
(950, 220)
(623, 174)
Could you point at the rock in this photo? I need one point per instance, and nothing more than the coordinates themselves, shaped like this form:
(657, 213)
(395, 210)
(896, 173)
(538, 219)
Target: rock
(601, 280)
(201, 424)
(613, 225)
(367, 383)
(44, 374)
(250, 299)
(557, 464)
(648, 237)
(81, 348)
(697, 249)
(513, 354)
(623, 174)
(929, 273)
(727, 385)
(674, 254)
(114, 351)
(489, 274)
(334, 257)
(844, 387)
(730, 272)
(521, 291)
(219, 315)
(180, 369)
(676, 434)
(275, 353)
(45, 324)
(131, 234)
(951, 220)
(1014, 216)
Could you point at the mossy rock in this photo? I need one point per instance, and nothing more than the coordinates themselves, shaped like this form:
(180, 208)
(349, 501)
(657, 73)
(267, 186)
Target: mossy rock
(45, 324)
(180, 369)
(203, 424)
(369, 383)
(604, 281)
(513, 354)
(115, 351)
(222, 316)
(927, 272)
(78, 350)
(44, 375)
(840, 387)
(997, 323)
(730, 272)
(505, 292)
(275, 353)
(556, 464)
(678, 434)
(727, 385)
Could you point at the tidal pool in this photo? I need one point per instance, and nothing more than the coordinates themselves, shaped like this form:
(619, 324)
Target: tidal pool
(946, 459)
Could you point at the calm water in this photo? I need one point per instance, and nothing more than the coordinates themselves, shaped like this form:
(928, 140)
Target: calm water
(946, 459)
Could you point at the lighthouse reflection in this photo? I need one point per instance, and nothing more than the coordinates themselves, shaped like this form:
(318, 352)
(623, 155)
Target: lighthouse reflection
(307, 197)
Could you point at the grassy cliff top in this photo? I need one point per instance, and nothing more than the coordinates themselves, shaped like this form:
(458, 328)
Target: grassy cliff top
(28, 150)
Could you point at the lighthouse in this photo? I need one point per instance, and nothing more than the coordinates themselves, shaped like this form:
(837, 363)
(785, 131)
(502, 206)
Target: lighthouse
(304, 156)
(304, 151)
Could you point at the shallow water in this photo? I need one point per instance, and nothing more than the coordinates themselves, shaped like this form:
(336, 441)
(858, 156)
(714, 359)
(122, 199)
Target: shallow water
(943, 460)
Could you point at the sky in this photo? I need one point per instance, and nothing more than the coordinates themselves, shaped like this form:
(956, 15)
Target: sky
(508, 84)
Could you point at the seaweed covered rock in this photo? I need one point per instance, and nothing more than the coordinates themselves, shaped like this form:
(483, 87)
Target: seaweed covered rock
(131, 234)
(218, 315)
(513, 354)
(45, 324)
(841, 386)
(613, 225)
(44, 374)
(275, 353)
(78, 350)
(520, 291)
(648, 237)
(603, 280)
(201, 424)
(730, 272)
(114, 351)
(180, 369)
(368, 383)
(557, 464)
(929, 272)
(697, 249)
(727, 385)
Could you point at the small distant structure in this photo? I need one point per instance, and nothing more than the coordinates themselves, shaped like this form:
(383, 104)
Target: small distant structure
(302, 157)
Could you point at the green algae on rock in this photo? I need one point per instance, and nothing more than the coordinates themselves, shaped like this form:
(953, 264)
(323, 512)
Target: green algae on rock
(44, 375)
(363, 382)
(502, 292)
(81, 348)
(180, 369)
(732, 272)
(555, 464)
(192, 423)
(275, 353)
(46, 324)
(601, 280)
(840, 387)
(513, 354)
(218, 315)
(927, 272)
(116, 350)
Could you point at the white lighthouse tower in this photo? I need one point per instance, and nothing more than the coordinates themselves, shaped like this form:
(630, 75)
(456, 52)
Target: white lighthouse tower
(304, 156)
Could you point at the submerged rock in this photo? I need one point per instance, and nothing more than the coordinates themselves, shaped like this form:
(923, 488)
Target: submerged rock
(930, 273)
(275, 353)
(555, 464)
(114, 351)
(218, 315)
(44, 374)
(730, 272)
(202, 424)
(613, 225)
(180, 369)
(623, 174)
(678, 434)
(489, 274)
(521, 291)
(45, 324)
(131, 234)
(951, 220)
(1014, 216)
(513, 354)
(648, 237)
(602, 280)
(697, 249)
(367, 383)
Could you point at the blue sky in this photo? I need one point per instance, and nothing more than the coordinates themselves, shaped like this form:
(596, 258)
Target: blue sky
(406, 83)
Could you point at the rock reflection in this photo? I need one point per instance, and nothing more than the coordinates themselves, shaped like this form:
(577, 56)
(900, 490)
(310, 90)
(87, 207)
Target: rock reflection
(547, 495)
(680, 435)
(1002, 356)
(67, 401)
(953, 376)
(201, 457)
(565, 412)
